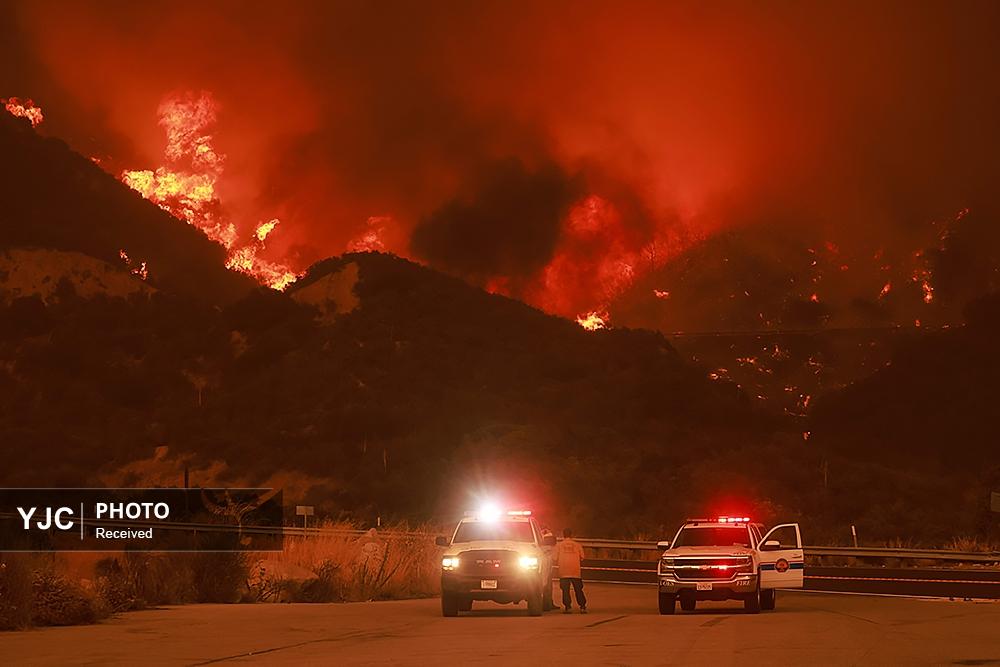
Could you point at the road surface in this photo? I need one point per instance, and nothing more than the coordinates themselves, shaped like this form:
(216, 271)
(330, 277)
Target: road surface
(623, 628)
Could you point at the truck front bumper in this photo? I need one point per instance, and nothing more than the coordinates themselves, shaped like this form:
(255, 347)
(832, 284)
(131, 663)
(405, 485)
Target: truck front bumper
(736, 588)
(509, 587)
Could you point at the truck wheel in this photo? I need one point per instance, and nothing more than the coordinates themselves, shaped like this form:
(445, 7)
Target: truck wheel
(535, 603)
(687, 604)
(751, 603)
(768, 596)
(449, 605)
(668, 603)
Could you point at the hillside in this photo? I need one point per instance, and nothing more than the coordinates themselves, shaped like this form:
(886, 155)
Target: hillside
(425, 390)
(56, 199)
(915, 443)
(380, 388)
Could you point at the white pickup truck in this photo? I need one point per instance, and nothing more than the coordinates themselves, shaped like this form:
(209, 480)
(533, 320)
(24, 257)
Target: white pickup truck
(728, 559)
(498, 556)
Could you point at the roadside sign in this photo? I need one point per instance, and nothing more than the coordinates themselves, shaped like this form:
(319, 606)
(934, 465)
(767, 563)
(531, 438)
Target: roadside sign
(305, 511)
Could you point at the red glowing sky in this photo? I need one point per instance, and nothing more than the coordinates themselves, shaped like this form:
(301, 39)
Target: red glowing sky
(621, 126)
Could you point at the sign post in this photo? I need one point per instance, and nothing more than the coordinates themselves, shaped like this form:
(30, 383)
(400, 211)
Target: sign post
(304, 511)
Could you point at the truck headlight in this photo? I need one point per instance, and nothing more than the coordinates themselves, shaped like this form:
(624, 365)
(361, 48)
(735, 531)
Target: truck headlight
(667, 562)
(528, 562)
(450, 563)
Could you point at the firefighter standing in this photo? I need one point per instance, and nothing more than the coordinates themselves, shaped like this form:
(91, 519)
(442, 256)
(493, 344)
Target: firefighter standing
(569, 555)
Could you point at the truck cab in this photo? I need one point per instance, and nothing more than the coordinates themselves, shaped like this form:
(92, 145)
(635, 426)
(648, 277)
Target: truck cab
(729, 558)
(497, 556)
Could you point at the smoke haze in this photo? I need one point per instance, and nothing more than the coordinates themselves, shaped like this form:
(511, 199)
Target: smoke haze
(555, 152)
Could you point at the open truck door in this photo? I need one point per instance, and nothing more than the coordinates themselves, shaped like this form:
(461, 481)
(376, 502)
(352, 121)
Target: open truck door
(782, 561)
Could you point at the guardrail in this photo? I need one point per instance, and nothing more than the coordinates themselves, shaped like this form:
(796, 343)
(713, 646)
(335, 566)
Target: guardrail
(592, 543)
(930, 582)
(855, 552)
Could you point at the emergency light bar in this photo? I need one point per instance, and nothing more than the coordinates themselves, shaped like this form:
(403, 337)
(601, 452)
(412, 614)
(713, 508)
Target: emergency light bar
(734, 519)
(492, 513)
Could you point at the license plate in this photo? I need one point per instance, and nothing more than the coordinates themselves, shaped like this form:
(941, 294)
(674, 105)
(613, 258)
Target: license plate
(488, 583)
(703, 586)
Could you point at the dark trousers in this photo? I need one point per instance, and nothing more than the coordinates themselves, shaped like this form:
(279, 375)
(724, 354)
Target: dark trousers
(577, 584)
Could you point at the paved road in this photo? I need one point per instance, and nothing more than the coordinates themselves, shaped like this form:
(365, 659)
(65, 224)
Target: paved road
(623, 628)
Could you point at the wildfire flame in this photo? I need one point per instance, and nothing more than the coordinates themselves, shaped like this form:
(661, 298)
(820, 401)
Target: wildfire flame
(593, 321)
(186, 186)
(245, 260)
(24, 109)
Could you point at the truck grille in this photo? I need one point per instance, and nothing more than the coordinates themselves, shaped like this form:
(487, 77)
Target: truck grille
(709, 568)
(483, 562)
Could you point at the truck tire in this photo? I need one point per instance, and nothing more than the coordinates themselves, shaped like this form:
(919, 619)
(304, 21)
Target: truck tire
(668, 603)
(687, 604)
(449, 605)
(751, 603)
(768, 596)
(535, 603)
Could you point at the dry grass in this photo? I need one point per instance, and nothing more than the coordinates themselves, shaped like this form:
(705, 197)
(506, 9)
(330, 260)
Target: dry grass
(332, 567)
(972, 544)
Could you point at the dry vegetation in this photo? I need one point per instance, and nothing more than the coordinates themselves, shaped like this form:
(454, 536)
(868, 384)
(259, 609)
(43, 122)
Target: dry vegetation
(340, 566)
(336, 565)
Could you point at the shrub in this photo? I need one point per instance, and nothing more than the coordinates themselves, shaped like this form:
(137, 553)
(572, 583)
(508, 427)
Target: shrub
(135, 580)
(219, 576)
(15, 591)
(58, 601)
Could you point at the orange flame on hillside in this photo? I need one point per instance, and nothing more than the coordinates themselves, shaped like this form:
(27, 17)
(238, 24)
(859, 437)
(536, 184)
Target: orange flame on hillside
(593, 321)
(23, 109)
(186, 186)
(245, 260)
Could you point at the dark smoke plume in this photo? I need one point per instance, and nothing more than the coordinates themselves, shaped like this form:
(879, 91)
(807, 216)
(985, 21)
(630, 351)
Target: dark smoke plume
(508, 227)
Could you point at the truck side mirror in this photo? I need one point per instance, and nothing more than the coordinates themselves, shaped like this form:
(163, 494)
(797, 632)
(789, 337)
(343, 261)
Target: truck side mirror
(441, 541)
(549, 541)
(770, 545)
(663, 544)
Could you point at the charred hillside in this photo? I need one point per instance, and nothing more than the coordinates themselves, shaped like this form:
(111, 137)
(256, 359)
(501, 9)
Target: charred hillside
(55, 198)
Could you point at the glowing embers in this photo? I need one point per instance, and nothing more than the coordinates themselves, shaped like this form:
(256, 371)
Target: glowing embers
(23, 109)
(139, 270)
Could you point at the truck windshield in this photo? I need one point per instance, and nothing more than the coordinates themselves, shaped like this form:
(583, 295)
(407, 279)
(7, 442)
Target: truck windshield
(507, 531)
(713, 536)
